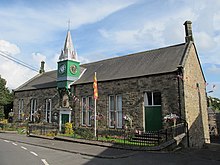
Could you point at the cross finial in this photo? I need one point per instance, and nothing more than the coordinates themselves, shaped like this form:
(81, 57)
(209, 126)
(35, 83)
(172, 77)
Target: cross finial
(68, 24)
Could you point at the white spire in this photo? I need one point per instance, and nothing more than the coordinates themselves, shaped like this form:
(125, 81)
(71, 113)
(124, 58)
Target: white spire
(68, 52)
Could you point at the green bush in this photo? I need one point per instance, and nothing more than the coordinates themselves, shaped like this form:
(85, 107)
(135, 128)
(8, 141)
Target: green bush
(85, 133)
(68, 128)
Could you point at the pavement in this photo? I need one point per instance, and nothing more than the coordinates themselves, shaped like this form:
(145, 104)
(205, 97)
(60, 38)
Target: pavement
(105, 150)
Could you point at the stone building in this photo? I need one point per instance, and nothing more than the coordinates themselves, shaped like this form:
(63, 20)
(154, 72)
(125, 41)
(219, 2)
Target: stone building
(212, 120)
(144, 86)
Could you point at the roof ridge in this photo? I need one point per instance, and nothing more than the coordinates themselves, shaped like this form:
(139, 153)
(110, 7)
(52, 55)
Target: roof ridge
(132, 54)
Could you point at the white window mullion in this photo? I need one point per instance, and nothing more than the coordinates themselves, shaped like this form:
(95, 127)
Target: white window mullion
(152, 97)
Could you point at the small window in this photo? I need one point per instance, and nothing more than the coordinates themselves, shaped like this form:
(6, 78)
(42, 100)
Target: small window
(157, 98)
(152, 99)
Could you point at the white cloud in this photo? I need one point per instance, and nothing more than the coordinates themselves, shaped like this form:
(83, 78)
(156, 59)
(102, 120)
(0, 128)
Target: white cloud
(14, 74)
(48, 19)
(204, 41)
(9, 48)
(93, 11)
(38, 57)
(38, 27)
(216, 21)
(214, 69)
(147, 35)
(83, 60)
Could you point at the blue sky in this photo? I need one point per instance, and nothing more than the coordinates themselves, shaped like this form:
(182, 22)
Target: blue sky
(33, 31)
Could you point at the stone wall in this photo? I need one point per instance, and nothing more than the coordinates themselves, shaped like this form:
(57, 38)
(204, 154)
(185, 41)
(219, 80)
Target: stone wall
(132, 91)
(41, 95)
(195, 100)
(212, 122)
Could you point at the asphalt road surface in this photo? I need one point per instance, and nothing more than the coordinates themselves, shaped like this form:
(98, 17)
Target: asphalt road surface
(13, 153)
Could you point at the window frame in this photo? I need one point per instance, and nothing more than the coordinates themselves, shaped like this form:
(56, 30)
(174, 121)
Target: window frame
(48, 109)
(111, 111)
(33, 109)
(83, 111)
(119, 114)
(20, 109)
(146, 102)
(114, 112)
(86, 114)
(89, 110)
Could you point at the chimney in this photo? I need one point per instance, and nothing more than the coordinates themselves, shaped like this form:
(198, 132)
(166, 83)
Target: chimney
(188, 31)
(42, 67)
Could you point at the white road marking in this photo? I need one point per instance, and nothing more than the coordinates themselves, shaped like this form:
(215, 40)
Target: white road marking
(33, 153)
(14, 144)
(23, 148)
(44, 161)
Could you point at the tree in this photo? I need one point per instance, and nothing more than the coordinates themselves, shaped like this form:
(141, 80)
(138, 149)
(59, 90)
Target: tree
(214, 102)
(6, 97)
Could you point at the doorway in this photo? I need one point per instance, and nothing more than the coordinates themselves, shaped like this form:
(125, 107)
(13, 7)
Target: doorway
(152, 111)
(65, 117)
(153, 118)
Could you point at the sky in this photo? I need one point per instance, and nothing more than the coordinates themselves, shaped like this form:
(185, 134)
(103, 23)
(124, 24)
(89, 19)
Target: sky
(32, 31)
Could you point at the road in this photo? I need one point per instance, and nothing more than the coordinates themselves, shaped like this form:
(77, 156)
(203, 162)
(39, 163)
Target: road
(14, 153)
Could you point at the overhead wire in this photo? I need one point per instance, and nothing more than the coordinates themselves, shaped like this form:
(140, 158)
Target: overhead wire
(9, 57)
(6, 55)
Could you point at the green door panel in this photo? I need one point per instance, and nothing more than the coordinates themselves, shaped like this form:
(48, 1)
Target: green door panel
(64, 118)
(153, 118)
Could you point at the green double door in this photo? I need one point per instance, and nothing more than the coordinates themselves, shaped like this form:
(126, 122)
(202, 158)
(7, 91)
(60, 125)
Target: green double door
(153, 118)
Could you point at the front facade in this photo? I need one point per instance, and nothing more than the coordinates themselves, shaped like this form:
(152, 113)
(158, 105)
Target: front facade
(134, 97)
(144, 87)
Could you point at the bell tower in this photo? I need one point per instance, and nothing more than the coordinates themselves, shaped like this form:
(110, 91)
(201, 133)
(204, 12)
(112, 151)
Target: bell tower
(68, 69)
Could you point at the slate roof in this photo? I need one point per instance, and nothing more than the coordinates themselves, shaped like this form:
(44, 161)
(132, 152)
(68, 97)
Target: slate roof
(151, 62)
(163, 60)
(44, 80)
